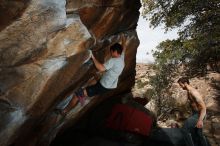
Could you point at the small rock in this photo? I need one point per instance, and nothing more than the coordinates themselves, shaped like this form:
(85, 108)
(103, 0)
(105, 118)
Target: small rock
(216, 119)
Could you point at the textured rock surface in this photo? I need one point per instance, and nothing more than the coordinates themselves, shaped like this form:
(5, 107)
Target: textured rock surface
(43, 51)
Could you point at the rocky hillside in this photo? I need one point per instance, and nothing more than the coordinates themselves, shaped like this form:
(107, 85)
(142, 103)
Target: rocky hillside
(143, 72)
(178, 111)
(44, 57)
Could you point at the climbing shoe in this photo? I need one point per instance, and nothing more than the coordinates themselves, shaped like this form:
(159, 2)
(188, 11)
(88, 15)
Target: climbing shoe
(80, 95)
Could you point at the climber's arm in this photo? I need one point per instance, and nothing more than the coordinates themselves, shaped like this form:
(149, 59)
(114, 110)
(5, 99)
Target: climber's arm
(123, 42)
(98, 65)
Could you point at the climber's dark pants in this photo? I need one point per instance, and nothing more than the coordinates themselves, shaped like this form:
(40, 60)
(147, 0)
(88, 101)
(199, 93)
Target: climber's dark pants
(96, 89)
(193, 136)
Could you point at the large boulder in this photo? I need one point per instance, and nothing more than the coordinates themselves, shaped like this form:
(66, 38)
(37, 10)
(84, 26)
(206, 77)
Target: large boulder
(43, 57)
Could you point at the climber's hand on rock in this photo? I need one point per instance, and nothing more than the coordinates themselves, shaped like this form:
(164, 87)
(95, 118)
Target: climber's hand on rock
(90, 54)
(123, 41)
(122, 36)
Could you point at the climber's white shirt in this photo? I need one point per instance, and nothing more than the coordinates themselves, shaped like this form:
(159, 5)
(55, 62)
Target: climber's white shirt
(114, 67)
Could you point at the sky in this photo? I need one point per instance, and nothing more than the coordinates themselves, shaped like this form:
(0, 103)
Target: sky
(149, 39)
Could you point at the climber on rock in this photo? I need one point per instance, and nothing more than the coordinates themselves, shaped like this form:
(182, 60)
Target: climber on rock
(192, 127)
(112, 69)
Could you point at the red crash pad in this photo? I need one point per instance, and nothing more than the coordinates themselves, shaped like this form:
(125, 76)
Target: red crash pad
(126, 118)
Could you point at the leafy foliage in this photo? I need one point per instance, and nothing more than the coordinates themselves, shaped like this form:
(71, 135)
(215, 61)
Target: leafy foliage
(199, 27)
(197, 46)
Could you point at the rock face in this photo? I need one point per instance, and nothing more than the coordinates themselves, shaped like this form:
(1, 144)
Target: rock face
(43, 53)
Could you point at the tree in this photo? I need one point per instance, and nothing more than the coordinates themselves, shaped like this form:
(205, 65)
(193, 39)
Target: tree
(199, 28)
(198, 43)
